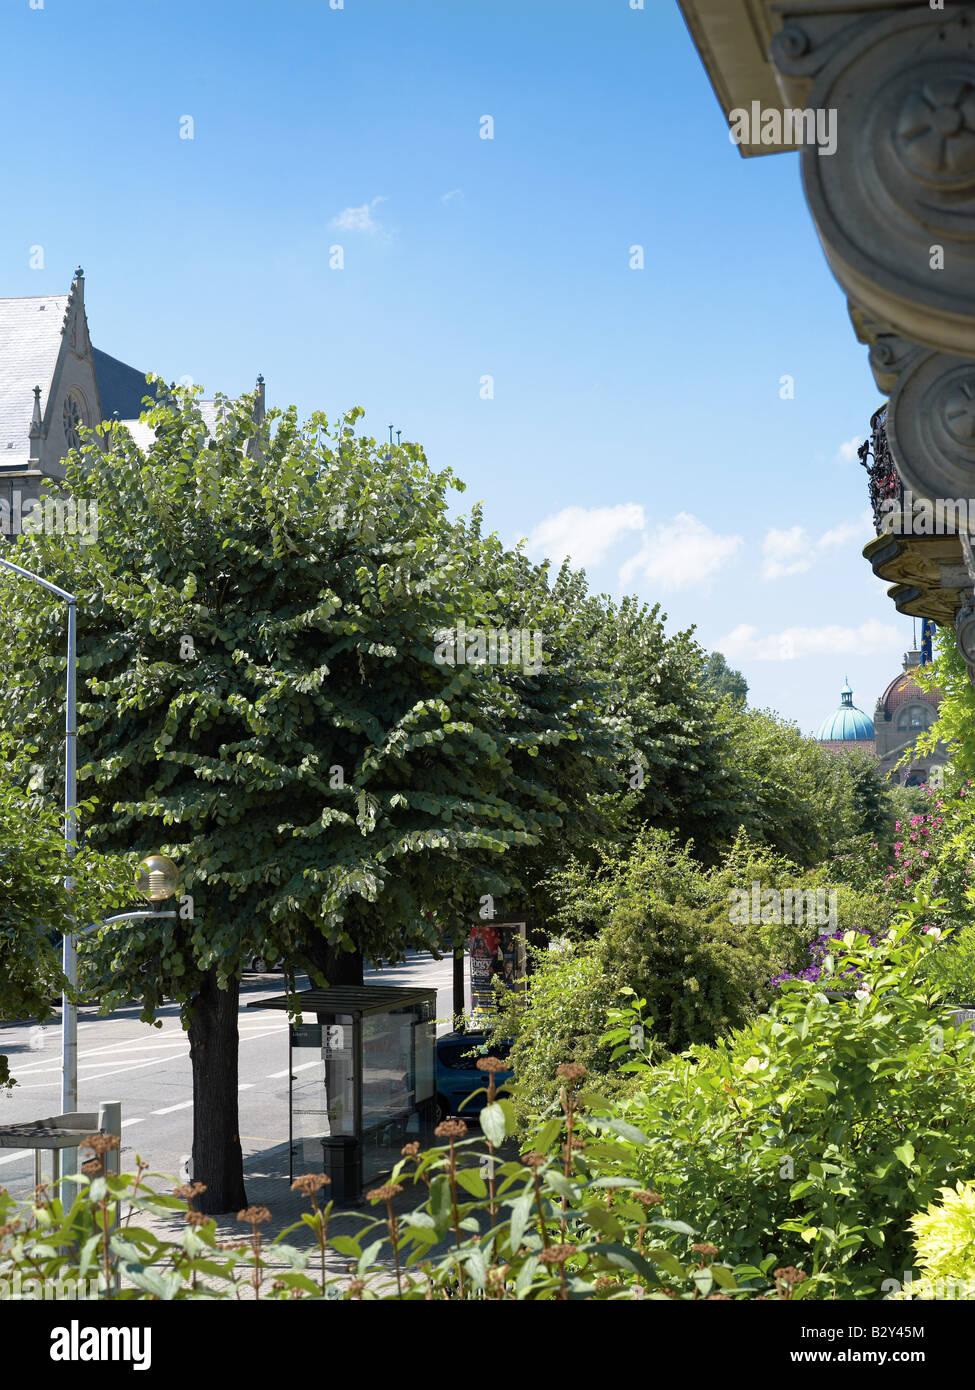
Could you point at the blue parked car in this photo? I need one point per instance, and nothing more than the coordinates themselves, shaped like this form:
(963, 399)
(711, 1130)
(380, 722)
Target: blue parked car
(458, 1076)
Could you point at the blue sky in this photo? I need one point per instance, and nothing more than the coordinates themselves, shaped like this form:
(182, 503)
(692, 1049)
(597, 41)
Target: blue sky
(636, 420)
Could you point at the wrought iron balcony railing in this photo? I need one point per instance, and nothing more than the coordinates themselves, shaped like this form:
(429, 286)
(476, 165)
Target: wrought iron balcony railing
(884, 480)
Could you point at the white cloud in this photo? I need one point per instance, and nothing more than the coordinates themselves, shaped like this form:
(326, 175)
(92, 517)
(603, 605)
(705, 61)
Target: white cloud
(793, 551)
(847, 451)
(785, 552)
(587, 535)
(454, 193)
(359, 219)
(793, 643)
(679, 554)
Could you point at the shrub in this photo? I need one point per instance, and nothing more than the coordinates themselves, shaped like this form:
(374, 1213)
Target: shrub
(951, 968)
(568, 996)
(570, 1219)
(658, 923)
(701, 976)
(944, 1238)
(829, 1122)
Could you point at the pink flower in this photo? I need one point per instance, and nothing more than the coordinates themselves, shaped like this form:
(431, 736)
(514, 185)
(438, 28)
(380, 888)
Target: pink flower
(925, 853)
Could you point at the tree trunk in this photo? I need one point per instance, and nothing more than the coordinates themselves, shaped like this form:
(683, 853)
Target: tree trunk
(217, 1156)
(338, 967)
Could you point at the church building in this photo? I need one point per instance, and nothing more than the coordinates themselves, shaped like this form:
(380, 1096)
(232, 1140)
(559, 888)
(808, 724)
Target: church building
(53, 381)
(901, 714)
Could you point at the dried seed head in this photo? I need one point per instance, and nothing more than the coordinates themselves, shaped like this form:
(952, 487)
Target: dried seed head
(196, 1218)
(556, 1254)
(451, 1129)
(647, 1199)
(717, 1295)
(705, 1248)
(789, 1275)
(100, 1144)
(310, 1183)
(188, 1190)
(356, 1287)
(534, 1160)
(254, 1215)
(493, 1064)
(93, 1167)
(385, 1193)
(410, 1150)
(571, 1072)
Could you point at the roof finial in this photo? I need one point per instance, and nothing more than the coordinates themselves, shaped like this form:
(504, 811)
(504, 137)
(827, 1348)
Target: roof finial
(254, 450)
(79, 273)
(36, 423)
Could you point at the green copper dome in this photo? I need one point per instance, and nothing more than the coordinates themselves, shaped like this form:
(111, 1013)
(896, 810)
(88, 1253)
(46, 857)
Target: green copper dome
(847, 723)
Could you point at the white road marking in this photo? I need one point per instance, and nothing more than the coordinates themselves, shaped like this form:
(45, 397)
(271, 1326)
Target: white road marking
(17, 1154)
(277, 1075)
(183, 1105)
(127, 1123)
(246, 1086)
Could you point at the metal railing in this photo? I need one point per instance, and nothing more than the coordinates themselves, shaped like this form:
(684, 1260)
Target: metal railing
(883, 479)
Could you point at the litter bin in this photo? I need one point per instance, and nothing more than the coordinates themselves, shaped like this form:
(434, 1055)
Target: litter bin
(343, 1165)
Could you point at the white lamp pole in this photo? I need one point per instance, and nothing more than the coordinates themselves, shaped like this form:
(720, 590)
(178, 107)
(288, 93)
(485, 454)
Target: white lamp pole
(69, 957)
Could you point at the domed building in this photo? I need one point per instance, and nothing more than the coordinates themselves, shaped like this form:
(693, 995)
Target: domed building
(847, 728)
(904, 711)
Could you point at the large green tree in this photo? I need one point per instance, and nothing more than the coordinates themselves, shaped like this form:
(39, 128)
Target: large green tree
(266, 694)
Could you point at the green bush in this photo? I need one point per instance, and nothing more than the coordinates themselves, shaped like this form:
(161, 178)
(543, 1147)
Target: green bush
(569, 1219)
(567, 999)
(951, 968)
(822, 1125)
(944, 1239)
(657, 922)
(700, 975)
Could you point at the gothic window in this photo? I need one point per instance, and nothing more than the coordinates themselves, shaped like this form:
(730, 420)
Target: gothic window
(74, 415)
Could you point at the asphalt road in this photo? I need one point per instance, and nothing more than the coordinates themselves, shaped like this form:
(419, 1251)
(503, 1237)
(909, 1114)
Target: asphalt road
(148, 1070)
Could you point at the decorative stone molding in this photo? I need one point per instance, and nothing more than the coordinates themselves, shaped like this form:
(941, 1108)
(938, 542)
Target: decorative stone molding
(931, 427)
(897, 198)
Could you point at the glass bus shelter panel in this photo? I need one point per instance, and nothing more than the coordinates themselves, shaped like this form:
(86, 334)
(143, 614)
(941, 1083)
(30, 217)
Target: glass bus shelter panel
(388, 1088)
(322, 1086)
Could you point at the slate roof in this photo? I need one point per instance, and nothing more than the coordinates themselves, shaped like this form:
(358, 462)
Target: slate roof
(121, 387)
(30, 339)
(144, 437)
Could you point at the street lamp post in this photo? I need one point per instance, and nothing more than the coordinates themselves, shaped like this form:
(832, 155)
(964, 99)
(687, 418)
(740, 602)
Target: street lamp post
(69, 954)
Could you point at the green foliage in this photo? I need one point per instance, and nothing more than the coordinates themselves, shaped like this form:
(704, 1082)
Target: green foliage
(651, 919)
(260, 694)
(822, 1125)
(951, 968)
(724, 680)
(35, 906)
(944, 1239)
(570, 1220)
(562, 1017)
(678, 770)
(798, 797)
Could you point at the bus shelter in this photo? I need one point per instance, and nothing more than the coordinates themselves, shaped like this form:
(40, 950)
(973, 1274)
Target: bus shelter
(362, 1079)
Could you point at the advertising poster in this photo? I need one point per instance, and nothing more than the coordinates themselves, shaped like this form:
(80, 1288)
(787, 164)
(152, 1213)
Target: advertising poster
(497, 952)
